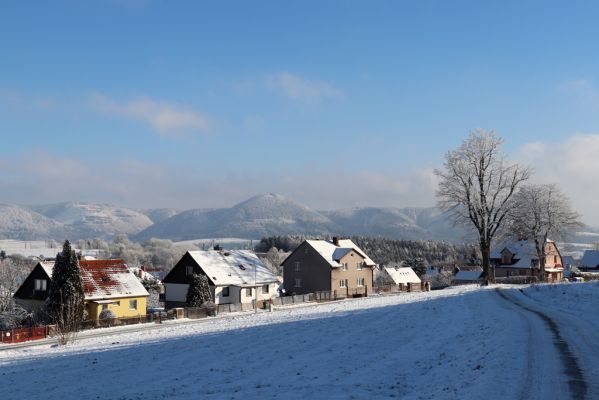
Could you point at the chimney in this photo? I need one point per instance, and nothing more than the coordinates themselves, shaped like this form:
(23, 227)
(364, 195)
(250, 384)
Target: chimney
(336, 241)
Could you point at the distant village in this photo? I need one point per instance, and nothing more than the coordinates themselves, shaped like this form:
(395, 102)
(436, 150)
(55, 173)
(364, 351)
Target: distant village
(244, 280)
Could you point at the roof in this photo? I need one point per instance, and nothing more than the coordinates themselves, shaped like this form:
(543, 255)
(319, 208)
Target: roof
(105, 279)
(233, 268)
(590, 259)
(472, 275)
(332, 253)
(524, 252)
(402, 275)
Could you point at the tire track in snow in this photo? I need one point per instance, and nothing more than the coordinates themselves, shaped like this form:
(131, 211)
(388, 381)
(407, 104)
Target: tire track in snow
(576, 383)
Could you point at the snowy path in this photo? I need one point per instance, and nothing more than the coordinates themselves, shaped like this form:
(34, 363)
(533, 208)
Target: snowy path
(460, 343)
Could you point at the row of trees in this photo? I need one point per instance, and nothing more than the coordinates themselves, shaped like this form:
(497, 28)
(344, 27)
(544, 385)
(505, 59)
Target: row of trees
(481, 189)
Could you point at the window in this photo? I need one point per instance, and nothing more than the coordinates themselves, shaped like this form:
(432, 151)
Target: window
(40, 285)
(225, 292)
(189, 270)
(104, 307)
(555, 259)
(248, 292)
(297, 266)
(359, 265)
(133, 304)
(298, 282)
(265, 289)
(360, 281)
(345, 266)
(343, 283)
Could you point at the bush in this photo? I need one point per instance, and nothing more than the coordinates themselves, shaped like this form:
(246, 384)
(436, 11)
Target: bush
(210, 308)
(107, 317)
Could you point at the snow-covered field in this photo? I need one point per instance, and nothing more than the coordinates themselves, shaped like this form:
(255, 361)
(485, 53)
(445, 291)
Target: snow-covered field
(459, 343)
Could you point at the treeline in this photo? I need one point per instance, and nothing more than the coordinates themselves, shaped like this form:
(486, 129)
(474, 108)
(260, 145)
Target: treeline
(385, 251)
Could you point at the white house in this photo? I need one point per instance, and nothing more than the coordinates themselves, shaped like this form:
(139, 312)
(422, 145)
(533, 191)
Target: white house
(234, 276)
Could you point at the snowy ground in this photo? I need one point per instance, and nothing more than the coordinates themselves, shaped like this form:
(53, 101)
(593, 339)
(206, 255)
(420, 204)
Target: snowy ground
(460, 343)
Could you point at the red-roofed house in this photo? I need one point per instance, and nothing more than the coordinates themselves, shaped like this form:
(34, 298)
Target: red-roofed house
(107, 284)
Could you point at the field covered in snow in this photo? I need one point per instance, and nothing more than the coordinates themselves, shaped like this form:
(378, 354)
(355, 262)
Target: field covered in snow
(459, 343)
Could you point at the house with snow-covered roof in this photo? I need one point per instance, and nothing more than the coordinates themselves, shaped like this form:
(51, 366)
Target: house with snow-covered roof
(234, 277)
(337, 266)
(519, 258)
(590, 260)
(107, 284)
(463, 277)
(403, 276)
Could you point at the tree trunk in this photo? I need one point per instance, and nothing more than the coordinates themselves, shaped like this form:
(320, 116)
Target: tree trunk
(488, 272)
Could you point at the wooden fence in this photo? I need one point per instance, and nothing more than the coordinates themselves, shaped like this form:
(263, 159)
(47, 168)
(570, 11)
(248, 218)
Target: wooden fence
(24, 334)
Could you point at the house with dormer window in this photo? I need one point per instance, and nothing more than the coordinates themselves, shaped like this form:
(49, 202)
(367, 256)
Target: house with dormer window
(337, 266)
(519, 258)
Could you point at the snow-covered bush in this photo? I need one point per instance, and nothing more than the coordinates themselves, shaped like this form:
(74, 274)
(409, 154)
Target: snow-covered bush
(107, 317)
(210, 308)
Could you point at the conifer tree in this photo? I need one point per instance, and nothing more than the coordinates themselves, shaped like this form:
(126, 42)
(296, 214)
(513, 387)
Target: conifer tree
(199, 291)
(65, 303)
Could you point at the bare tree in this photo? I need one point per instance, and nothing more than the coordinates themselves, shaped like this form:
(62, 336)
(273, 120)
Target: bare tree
(542, 211)
(476, 187)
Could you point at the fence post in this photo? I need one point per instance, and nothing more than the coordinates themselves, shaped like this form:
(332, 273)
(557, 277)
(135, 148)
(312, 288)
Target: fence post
(365, 290)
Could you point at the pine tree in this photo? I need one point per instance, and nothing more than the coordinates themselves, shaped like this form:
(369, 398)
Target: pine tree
(199, 291)
(65, 303)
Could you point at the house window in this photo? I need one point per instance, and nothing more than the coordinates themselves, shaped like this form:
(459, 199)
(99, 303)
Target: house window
(225, 292)
(555, 259)
(506, 258)
(133, 304)
(359, 265)
(360, 281)
(104, 307)
(345, 266)
(265, 289)
(298, 282)
(343, 283)
(248, 292)
(189, 270)
(297, 266)
(40, 285)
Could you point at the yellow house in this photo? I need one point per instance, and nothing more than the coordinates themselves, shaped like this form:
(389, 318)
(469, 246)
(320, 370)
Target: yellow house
(107, 284)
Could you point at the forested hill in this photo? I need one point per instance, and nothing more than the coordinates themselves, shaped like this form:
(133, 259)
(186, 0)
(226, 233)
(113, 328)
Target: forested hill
(386, 251)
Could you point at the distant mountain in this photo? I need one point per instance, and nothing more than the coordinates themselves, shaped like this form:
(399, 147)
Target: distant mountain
(20, 223)
(263, 215)
(86, 220)
(160, 214)
(399, 223)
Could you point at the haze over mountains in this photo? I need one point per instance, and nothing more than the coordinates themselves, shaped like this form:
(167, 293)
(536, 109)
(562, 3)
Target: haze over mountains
(259, 216)
(263, 215)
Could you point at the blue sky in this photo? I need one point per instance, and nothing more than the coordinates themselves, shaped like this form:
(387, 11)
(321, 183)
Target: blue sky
(334, 103)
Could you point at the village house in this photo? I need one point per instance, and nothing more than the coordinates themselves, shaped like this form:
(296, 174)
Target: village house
(107, 284)
(403, 277)
(467, 276)
(519, 258)
(234, 277)
(337, 266)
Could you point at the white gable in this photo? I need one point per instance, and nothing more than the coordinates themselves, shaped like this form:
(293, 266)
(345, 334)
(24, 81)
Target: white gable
(332, 253)
(233, 268)
(402, 275)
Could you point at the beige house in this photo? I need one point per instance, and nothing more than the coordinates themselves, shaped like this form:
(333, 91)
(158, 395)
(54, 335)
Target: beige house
(519, 258)
(336, 266)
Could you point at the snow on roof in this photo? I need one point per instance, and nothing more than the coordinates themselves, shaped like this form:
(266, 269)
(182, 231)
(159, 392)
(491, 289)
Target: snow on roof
(233, 267)
(523, 251)
(472, 275)
(402, 275)
(590, 259)
(332, 253)
(105, 279)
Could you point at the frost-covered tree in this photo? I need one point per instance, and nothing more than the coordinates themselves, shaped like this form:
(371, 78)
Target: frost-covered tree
(476, 186)
(541, 212)
(65, 303)
(198, 292)
(418, 265)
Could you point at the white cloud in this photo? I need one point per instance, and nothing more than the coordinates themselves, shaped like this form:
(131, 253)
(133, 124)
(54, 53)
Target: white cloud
(38, 177)
(298, 88)
(166, 119)
(572, 164)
